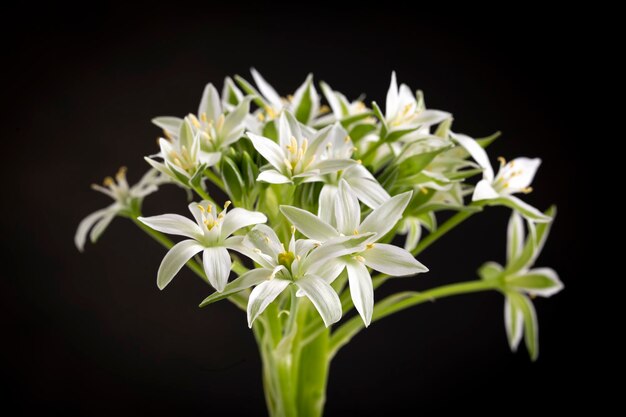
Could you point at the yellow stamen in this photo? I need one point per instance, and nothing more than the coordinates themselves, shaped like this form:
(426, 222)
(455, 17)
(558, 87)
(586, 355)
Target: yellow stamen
(293, 229)
(201, 208)
(424, 190)
(369, 246)
(261, 117)
(358, 161)
(527, 190)
(167, 135)
(506, 185)
(355, 232)
(220, 123)
(194, 121)
(359, 258)
(502, 161)
(108, 181)
(324, 109)
(121, 173)
(290, 97)
(227, 204)
(347, 139)
(203, 117)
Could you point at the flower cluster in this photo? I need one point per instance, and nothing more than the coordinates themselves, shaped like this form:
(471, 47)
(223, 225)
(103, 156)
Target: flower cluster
(321, 190)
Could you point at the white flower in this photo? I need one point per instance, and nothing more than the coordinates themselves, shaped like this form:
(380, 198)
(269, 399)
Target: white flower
(304, 104)
(210, 234)
(403, 110)
(294, 157)
(382, 257)
(303, 264)
(520, 281)
(513, 177)
(341, 108)
(182, 157)
(126, 200)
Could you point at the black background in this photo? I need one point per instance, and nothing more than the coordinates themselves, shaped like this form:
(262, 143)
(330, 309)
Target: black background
(91, 334)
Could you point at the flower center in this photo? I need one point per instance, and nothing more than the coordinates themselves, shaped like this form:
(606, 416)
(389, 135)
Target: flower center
(286, 259)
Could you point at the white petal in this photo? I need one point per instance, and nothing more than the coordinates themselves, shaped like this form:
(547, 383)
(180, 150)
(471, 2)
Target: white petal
(326, 209)
(543, 282)
(347, 209)
(210, 103)
(267, 90)
(392, 260)
(170, 124)
(173, 224)
(513, 322)
(333, 165)
(238, 243)
(391, 106)
(262, 295)
(237, 218)
(477, 152)
(175, 259)
(328, 270)
(336, 248)
(524, 169)
(247, 280)
(101, 225)
(333, 102)
(86, 224)
(209, 158)
(361, 290)
(382, 219)
(524, 209)
(484, 191)
(431, 117)
(217, 265)
(308, 224)
(369, 191)
(234, 120)
(273, 177)
(515, 237)
(323, 297)
(264, 239)
(269, 150)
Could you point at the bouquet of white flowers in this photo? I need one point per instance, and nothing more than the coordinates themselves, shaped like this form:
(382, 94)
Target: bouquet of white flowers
(320, 193)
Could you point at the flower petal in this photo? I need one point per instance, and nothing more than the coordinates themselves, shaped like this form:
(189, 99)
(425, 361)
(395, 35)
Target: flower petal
(361, 290)
(337, 247)
(247, 280)
(513, 322)
(262, 295)
(369, 191)
(323, 297)
(269, 150)
(523, 208)
(392, 260)
(266, 89)
(328, 166)
(237, 218)
(391, 105)
(173, 224)
(102, 224)
(515, 237)
(382, 219)
(273, 177)
(86, 224)
(484, 191)
(169, 124)
(543, 282)
(238, 243)
(217, 265)
(210, 104)
(309, 224)
(477, 152)
(326, 207)
(347, 209)
(175, 259)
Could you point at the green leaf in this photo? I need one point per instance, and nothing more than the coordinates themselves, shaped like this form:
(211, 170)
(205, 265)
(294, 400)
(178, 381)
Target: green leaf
(416, 163)
(531, 327)
(515, 237)
(395, 135)
(443, 130)
(249, 89)
(360, 130)
(489, 271)
(249, 171)
(186, 135)
(347, 121)
(484, 142)
(379, 114)
(233, 181)
(269, 130)
(464, 174)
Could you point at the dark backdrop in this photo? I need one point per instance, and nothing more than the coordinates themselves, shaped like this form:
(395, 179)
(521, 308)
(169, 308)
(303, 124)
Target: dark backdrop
(91, 334)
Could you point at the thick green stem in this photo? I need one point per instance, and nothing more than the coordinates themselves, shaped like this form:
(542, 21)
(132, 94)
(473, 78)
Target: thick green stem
(215, 179)
(401, 301)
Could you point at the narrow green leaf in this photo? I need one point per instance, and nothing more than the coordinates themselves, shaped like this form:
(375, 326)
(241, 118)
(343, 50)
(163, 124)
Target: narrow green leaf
(232, 180)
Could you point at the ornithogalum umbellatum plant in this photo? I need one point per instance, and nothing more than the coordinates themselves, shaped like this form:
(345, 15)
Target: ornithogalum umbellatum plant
(300, 210)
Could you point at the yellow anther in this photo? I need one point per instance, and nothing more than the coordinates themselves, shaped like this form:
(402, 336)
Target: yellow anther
(506, 185)
(369, 246)
(358, 161)
(502, 161)
(355, 232)
(512, 164)
(305, 144)
(360, 105)
(359, 258)
(329, 145)
(227, 204)
(407, 109)
(324, 109)
(354, 149)
(270, 112)
(121, 173)
(203, 117)
(260, 116)
(289, 97)
(424, 190)
(201, 208)
(220, 123)
(527, 190)
(347, 139)
(293, 229)
(209, 207)
(194, 121)
(167, 134)
(108, 181)
(266, 239)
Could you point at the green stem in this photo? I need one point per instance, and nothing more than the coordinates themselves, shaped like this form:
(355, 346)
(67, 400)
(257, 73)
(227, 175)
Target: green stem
(203, 194)
(401, 301)
(215, 179)
(450, 224)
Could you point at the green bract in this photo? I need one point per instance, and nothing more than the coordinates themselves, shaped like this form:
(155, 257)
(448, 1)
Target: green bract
(320, 194)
